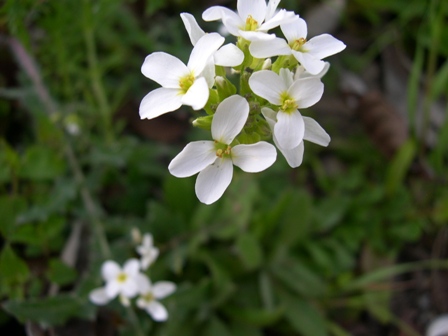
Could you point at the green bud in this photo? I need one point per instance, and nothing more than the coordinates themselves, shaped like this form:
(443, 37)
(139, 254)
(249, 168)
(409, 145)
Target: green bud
(212, 103)
(204, 122)
(224, 88)
(263, 129)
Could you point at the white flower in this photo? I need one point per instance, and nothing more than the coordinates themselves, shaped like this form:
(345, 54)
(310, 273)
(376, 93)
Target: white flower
(181, 84)
(147, 251)
(149, 294)
(214, 160)
(119, 281)
(228, 55)
(308, 53)
(253, 19)
(313, 132)
(289, 95)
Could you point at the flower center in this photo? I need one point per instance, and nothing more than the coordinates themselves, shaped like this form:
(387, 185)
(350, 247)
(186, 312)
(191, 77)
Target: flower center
(148, 297)
(122, 277)
(186, 82)
(289, 104)
(251, 24)
(297, 45)
(222, 150)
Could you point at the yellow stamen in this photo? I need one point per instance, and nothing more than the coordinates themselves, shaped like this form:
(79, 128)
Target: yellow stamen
(298, 44)
(289, 104)
(186, 82)
(148, 297)
(251, 24)
(122, 277)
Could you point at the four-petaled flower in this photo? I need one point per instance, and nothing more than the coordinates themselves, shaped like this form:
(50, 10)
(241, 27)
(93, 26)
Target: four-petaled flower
(253, 19)
(214, 160)
(289, 95)
(181, 84)
(150, 294)
(313, 133)
(148, 253)
(119, 281)
(308, 53)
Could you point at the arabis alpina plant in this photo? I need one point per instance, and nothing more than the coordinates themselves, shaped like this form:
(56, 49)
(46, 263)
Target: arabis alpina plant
(264, 96)
(149, 297)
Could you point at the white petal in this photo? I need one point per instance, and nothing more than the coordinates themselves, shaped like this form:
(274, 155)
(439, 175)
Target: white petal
(129, 288)
(157, 311)
(229, 119)
(193, 158)
(229, 55)
(124, 300)
(289, 129)
(315, 133)
(160, 101)
(256, 35)
(197, 94)
(148, 240)
(281, 17)
(295, 29)
(131, 267)
(194, 31)
(110, 270)
(255, 8)
(270, 116)
(307, 91)
(141, 303)
(214, 180)
(272, 6)
(323, 46)
(269, 48)
(254, 158)
(209, 72)
(204, 48)
(143, 283)
(220, 13)
(98, 296)
(293, 156)
(162, 289)
(164, 69)
(112, 288)
(287, 76)
(311, 64)
(268, 85)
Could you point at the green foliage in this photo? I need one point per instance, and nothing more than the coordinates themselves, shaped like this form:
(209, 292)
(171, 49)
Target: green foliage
(271, 257)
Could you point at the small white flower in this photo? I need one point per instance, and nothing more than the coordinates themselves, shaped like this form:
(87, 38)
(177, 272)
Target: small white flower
(119, 281)
(214, 160)
(308, 53)
(181, 84)
(228, 55)
(151, 293)
(289, 95)
(148, 253)
(253, 19)
(313, 133)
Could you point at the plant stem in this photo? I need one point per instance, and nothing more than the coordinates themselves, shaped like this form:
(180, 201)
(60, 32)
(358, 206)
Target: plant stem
(95, 73)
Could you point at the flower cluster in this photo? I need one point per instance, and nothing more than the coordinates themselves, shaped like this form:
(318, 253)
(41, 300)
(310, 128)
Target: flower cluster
(128, 282)
(278, 78)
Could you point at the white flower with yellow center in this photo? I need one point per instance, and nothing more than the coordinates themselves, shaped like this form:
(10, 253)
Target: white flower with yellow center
(289, 95)
(308, 53)
(119, 281)
(148, 253)
(253, 19)
(214, 160)
(181, 84)
(313, 133)
(150, 294)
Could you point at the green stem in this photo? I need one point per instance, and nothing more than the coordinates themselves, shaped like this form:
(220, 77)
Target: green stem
(95, 73)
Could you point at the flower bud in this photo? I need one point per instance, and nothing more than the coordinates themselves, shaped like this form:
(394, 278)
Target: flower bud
(224, 87)
(204, 122)
(267, 64)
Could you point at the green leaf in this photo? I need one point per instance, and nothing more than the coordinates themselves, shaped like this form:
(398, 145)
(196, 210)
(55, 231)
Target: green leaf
(60, 273)
(41, 163)
(48, 311)
(14, 273)
(254, 316)
(400, 166)
(303, 316)
(249, 250)
(10, 208)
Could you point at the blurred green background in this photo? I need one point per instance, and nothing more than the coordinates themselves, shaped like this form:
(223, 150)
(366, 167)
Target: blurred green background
(353, 242)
